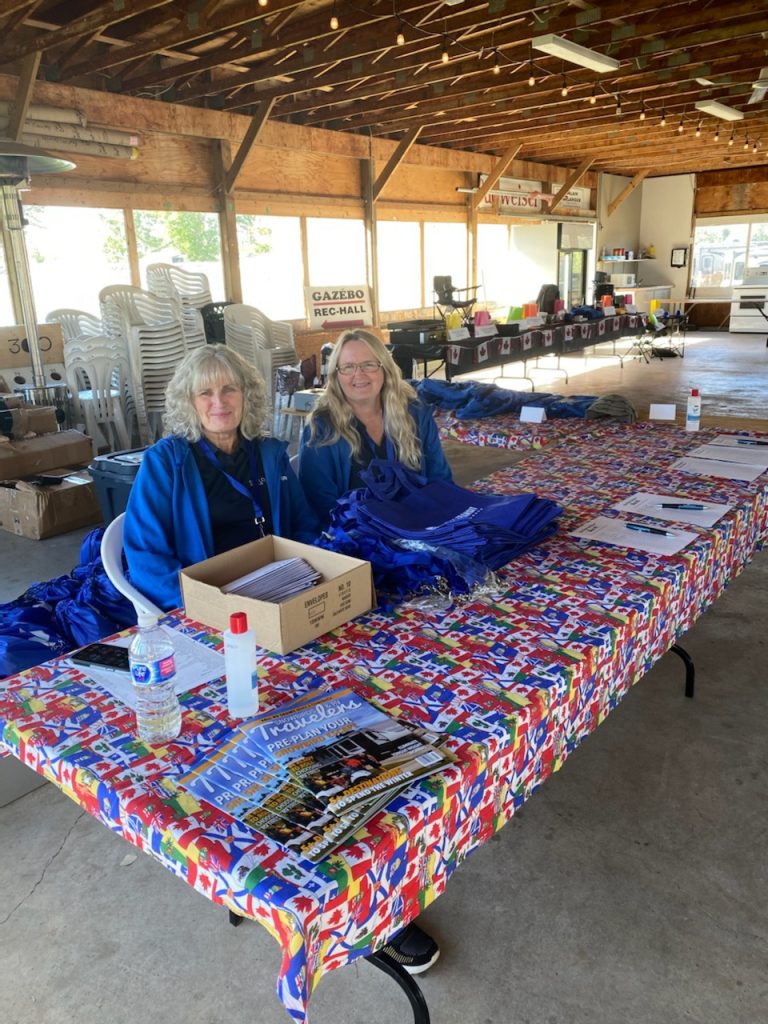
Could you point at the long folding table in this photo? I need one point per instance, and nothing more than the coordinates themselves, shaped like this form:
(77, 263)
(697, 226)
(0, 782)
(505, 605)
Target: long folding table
(515, 679)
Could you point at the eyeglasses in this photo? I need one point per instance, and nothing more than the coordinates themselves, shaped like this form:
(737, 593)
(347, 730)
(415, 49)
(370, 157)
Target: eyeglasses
(348, 369)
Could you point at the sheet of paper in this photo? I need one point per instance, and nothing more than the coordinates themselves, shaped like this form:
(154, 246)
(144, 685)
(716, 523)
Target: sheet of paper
(646, 503)
(532, 414)
(734, 440)
(196, 664)
(713, 467)
(614, 531)
(750, 455)
(659, 411)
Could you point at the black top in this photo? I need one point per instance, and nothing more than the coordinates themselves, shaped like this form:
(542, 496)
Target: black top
(368, 451)
(232, 518)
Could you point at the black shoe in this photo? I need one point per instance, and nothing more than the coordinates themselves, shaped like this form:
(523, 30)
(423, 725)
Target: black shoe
(412, 949)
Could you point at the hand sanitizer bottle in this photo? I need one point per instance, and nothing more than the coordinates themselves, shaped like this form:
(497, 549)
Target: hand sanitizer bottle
(693, 411)
(240, 667)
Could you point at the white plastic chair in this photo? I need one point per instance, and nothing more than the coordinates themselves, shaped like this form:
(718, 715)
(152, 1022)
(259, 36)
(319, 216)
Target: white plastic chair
(75, 323)
(190, 289)
(112, 559)
(98, 377)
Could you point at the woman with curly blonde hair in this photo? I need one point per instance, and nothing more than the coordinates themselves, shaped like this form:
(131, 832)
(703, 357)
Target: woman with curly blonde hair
(366, 411)
(215, 481)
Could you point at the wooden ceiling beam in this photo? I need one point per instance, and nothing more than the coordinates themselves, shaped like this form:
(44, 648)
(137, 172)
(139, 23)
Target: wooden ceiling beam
(251, 135)
(504, 162)
(570, 181)
(627, 191)
(23, 96)
(394, 161)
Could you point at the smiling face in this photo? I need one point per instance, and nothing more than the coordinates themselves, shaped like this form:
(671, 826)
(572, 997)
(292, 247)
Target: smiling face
(361, 389)
(219, 407)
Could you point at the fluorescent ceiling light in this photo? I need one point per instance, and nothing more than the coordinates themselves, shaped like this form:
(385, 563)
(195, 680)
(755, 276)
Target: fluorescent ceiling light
(559, 47)
(719, 110)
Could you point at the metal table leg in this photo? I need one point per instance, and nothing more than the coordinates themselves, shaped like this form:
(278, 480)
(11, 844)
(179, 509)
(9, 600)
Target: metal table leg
(690, 669)
(406, 983)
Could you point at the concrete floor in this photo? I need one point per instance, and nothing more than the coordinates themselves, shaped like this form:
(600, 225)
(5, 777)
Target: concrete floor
(629, 890)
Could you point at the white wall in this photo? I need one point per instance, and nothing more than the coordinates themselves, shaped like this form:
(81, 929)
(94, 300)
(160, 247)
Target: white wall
(620, 230)
(666, 222)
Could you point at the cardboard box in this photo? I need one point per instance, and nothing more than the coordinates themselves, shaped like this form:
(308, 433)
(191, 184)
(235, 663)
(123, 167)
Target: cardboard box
(14, 347)
(34, 419)
(38, 511)
(39, 454)
(346, 592)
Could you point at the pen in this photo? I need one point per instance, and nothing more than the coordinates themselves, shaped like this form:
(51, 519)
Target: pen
(749, 440)
(648, 529)
(686, 505)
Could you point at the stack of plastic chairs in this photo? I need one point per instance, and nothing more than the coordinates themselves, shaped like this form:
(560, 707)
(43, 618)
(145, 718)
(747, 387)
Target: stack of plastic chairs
(98, 376)
(75, 323)
(152, 330)
(265, 343)
(190, 289)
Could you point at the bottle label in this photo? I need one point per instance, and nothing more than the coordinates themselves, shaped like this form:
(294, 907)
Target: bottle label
(148, 672)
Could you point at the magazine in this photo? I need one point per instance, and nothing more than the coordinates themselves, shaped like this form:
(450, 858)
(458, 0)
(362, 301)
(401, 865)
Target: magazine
(310, 773)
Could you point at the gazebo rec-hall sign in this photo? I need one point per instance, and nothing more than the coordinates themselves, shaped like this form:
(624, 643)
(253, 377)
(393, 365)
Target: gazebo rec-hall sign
(338, 307)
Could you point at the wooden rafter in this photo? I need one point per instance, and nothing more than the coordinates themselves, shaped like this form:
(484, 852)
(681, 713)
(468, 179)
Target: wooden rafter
(627, 191)
(495, 176)
(570, 181)
(251, 135)
(394, 161)
(24, 96)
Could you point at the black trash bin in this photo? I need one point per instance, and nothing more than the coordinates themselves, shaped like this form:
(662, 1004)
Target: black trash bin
(113, 475)
(213, 322)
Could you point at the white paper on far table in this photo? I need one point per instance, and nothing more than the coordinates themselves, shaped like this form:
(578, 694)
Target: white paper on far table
(196, 663)
(646, 504)
(715, 467)
(614, 531)
(749, 455)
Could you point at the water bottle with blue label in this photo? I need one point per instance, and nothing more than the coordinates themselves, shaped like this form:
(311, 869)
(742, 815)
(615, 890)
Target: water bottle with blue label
(153, 671)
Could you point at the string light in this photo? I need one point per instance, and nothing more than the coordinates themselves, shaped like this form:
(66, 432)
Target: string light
(642, 111)
(334, 19)
(593, 97)
(746, 142)
(564, 90)
(680, 127)
(730, 141)
(531, 78)
(400, 39)
(618, 106)
(717, 134)
(263, 3)
(754, 147)
(496, 65)
(445, 56)
(663, 119)
(698, 130)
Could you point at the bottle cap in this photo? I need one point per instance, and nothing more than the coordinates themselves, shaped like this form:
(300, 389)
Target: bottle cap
(145, 618)
(694, 392)
(238, 622)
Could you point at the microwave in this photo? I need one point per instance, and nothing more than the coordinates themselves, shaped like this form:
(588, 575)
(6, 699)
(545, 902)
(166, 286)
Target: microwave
(624, 280)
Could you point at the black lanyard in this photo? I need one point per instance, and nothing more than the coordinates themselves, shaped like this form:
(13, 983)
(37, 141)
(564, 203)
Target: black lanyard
(254, 492)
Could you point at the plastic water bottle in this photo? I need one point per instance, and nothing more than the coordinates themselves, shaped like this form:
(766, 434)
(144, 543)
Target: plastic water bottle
(240, 667)
(153, 671)
(693, 410)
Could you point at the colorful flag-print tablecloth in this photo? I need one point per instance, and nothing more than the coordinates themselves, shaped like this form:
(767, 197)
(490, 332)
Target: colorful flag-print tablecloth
(515, 680)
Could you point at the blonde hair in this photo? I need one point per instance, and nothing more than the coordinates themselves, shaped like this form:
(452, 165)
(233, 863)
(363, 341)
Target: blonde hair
(333, 412)
(212, 364)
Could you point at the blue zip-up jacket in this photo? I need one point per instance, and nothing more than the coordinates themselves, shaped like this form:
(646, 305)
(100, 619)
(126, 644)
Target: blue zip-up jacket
(167, 525)
(325, 469)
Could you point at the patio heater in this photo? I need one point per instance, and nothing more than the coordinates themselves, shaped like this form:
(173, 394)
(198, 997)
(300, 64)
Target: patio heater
(17, 163)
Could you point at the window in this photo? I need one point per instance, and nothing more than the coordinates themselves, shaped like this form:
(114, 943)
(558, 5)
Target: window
(73, 253)
(445, 254)
(189, 239)
(7, 316)
(336, 251)
(271, 268)
(495, 265)
(399, 262)
(723, 250)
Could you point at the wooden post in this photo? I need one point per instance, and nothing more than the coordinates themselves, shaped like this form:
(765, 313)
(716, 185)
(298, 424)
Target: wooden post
(230, 253)
(133, 249)
(367, 179)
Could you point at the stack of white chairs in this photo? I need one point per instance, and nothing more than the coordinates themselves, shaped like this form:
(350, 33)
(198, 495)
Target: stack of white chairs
(75, 323)
(190, 289)
(154, 335)
(98, 377)
(265, 343)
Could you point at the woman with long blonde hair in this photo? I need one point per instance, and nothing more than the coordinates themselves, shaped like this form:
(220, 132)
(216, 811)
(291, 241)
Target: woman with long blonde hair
(366, 411)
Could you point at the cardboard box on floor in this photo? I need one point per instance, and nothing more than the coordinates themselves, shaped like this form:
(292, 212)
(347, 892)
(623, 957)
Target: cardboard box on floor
(38, 511)
(346, 592)
(39, 454)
